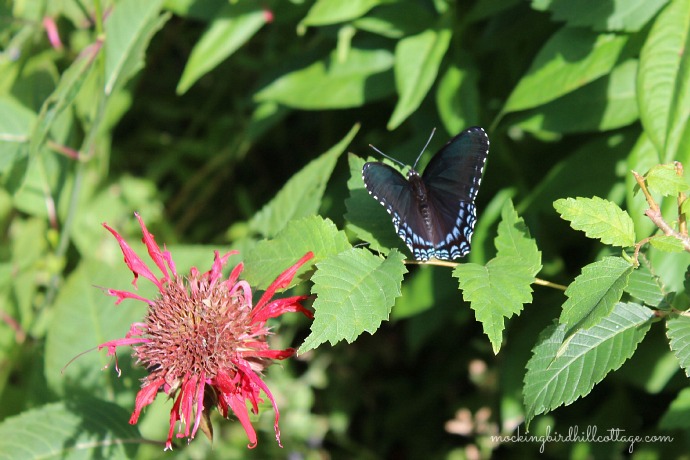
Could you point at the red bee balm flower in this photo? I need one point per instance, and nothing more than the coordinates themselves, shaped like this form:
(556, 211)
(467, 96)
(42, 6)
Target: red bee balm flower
(203, 340)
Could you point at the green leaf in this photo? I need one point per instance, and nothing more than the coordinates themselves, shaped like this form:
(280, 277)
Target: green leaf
(333, 83)
(645, 286)
(663, 88)
(396, 20)
(513, 239)
(84, 428)
(15, 124)
(598, 218)
(570, 59)
(457, 96)
(325, 12)
(128, 30)
(558, 373)
(269, 258)
(595, 292)
(602, 15)
(612, 97)
(677, 416)
(301, 195)
(417, 60)
(678, 332)
(366, 218)
(495, 291)
(64, 95)
(231, 28)
(663, 179)
(355, 292)
(667, 243)
(85, 317)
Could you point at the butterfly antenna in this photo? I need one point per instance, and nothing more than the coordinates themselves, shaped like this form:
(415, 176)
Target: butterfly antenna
(390, 158)
(425, 146)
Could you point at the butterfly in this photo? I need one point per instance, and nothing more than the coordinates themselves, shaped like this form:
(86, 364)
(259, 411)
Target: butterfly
(434, 213)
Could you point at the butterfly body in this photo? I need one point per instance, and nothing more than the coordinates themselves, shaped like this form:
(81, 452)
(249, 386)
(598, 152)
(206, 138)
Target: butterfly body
(434, 213)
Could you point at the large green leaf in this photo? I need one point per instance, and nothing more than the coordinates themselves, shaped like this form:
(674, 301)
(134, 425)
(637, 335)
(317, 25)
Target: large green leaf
(231, 28)
(663, 87)
(75, 429)
(417, 60)
(607, 103)
(355, 292)
(558, 373)
(570, 59)
(594, 293)
(598, 218)
(332, 83)
(269, 258)
(128, 31)
(618, 15)
(301, 194)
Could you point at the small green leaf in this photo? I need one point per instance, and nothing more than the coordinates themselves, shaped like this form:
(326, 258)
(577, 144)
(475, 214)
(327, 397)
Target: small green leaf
(603, 15)
(495, 291)
(332, 83)
(301, 195)
(664, 180)
(84, 428)
(594, 293)
(598, 218)
(366, 218)
(325, 12)
(232, 27)
(457, 96)
(570, 59)
(667, 243)
(417, 60)
(128, 30)
(643, 285)
(678, 332)
(677, 416)
(64, 95)
(269, 258)
(396, 20)
(15, 125)
(513, 239)
(355, 292)
(558, 375)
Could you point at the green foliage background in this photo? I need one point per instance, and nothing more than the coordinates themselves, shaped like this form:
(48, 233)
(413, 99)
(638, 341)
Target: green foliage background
(244, 125)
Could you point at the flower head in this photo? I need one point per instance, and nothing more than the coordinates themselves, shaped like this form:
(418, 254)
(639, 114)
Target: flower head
(203, 340)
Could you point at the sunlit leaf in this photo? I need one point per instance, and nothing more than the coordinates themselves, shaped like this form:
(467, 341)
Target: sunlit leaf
(230, 29)
(355, 291)
(594, 292)
(558, 373)
(598, 218)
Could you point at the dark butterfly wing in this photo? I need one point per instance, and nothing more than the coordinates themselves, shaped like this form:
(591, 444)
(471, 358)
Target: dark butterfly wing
(452, 181)
(396, 194)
